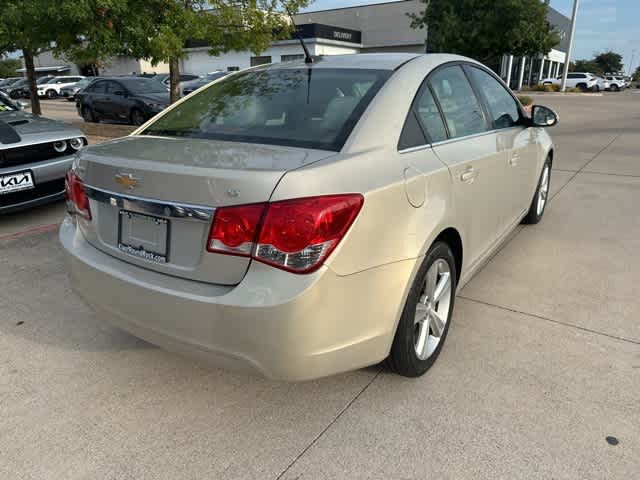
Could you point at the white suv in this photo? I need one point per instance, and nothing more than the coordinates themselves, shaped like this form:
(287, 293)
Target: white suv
(582, 80)
(615, 83)
(52, 88)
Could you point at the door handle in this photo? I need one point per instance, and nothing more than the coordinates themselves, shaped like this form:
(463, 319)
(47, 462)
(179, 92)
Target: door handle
(469, 175)
(513, 161)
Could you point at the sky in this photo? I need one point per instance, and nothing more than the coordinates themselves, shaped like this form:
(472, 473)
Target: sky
(602, 25)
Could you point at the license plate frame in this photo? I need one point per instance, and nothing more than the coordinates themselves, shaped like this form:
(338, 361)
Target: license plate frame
(144, 236)
(26, 182)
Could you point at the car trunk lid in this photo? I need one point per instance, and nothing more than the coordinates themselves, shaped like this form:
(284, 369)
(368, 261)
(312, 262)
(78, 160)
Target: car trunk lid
(153, 198)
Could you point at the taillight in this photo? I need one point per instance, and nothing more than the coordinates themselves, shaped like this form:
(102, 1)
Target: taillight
(294, 235)
(77, 200)
(234, 229)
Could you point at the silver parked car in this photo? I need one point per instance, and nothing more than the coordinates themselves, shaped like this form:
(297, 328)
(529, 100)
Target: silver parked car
(307, 219)
(35, 154)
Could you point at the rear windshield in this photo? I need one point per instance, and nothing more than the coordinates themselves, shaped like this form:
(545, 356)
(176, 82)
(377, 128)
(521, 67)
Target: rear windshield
(301, 107)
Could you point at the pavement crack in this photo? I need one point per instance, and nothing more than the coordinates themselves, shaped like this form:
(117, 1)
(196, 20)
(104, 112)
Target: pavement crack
(591, 172)
(580, 170)
(558, 322)
(329, 425)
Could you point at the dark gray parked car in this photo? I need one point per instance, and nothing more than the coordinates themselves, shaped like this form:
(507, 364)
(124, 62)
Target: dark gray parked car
(35, 154)
(125, 99)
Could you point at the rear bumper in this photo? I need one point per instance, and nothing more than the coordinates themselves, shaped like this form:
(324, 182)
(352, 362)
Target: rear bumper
(285, 326)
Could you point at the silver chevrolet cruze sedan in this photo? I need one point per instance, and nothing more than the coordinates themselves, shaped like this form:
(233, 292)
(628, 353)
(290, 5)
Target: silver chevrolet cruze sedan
(307, 219)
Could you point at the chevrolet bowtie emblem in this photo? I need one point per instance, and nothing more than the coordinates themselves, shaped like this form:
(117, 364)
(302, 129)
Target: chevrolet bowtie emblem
(127, 180)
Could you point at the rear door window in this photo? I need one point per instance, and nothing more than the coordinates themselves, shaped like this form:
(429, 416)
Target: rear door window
(97, 87)
(461, 108)
(429, 115)
(113, 87)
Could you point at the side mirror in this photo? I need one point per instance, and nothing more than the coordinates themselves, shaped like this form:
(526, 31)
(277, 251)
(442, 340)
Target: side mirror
(543, 116)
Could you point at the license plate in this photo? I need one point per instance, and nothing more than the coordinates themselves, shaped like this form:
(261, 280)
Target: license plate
(143, 236)
(15, 182)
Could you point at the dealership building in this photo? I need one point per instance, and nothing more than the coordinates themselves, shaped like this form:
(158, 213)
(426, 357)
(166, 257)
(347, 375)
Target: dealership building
(381, 27)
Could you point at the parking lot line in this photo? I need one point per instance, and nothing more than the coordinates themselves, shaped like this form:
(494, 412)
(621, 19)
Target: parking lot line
(30, 231)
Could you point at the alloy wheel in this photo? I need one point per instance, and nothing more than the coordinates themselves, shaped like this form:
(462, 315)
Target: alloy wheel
(432, 310)
(137, 117)
(543, 191)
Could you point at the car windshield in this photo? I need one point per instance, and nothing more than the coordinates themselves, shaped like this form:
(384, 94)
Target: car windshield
(303, 107)
(142, 85)
(6, 104)
(43, 80)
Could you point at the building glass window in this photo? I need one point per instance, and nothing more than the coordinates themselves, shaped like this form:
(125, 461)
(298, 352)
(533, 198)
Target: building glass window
(291, 58)
(255, 61)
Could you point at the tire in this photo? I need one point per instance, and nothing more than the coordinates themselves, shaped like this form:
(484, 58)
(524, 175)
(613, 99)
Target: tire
(596, 89)
(51, 94)
(404, 358)
(88, 115)
(582, 87)
(541, 197)
(15, 95)
(615, 88)
(136, 117)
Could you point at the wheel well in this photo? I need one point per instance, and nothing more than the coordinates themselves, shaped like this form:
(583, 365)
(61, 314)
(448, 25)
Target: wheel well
(451, 237)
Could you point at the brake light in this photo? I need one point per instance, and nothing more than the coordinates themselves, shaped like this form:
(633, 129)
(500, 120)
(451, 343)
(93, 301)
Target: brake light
(294, 235)
(77, 200)
(234, 229)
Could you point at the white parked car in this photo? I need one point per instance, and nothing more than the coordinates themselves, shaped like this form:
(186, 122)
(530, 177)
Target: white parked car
(603, 84)
(582, 80)
(52, 88)
(615, 83)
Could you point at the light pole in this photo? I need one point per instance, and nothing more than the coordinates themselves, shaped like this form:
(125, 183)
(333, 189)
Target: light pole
(563, 86)
(633, 56)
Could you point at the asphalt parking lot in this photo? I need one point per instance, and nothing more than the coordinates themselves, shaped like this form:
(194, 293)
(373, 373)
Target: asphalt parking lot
(542, 362)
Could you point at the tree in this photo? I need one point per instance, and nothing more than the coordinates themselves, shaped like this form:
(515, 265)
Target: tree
(162, 28)
(609, 62)
(8, 67)
(80, 30)
(586, 66)
(636, 75)
(487, 29)
(25, 25)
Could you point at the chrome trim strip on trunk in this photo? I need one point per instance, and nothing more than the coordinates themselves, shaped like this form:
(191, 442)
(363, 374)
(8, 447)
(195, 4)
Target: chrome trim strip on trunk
(151, 207)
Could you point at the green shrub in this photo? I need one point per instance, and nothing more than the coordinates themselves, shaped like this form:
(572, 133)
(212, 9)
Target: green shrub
(524, 100)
